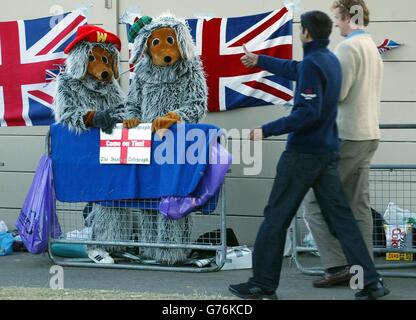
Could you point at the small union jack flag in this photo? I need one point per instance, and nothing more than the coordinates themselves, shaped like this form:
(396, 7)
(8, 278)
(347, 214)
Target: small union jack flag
(219, 42)
(53, 74)
(28, 49)
(388, 45)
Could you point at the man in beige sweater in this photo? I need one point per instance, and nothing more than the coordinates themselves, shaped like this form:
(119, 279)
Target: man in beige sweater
(358, 122)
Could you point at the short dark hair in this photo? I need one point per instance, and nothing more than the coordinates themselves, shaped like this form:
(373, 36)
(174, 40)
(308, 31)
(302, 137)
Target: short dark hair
(345, 7)
(318, 23)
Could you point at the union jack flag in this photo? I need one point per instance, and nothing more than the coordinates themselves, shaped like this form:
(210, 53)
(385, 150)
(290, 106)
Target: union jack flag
(219, 42)
(28, 49)
(388, 45)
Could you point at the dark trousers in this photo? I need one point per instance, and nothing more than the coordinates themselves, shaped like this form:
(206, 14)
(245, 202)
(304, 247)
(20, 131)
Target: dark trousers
(296, 173)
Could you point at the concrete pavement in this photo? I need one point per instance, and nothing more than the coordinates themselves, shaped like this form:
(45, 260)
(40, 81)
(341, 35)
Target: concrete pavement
(32, 271)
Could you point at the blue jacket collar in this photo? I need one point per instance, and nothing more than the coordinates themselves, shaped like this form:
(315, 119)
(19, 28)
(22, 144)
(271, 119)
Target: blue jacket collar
(356, 33)
(315, 45)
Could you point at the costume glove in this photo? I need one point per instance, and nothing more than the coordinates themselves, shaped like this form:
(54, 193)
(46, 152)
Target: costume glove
(165, 122)
(131, 123)
(100, 119)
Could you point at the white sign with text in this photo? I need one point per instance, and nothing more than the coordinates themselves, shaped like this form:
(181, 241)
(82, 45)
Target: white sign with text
(126, 146)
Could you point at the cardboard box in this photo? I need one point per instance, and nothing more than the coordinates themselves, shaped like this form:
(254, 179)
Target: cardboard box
(237, 258)
(399, 237)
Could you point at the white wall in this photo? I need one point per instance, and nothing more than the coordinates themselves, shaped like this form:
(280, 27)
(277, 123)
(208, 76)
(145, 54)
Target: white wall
(21, 148)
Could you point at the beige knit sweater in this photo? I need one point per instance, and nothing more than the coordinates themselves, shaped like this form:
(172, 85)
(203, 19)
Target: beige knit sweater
(362, 71)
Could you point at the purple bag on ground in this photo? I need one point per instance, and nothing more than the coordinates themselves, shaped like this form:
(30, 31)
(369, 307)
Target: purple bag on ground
(176, 208)
(37, 219)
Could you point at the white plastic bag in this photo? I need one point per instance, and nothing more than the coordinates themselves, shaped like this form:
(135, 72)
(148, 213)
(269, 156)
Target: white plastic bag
(237, 258)
(3, 226)
(289, 243)
(85, 234)
(396, 215)
(308, 240)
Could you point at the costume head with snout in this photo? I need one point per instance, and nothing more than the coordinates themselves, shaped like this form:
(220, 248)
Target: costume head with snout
(94, 53)
(101, 65)
(165, 40)
(163, 47)
(88, 94)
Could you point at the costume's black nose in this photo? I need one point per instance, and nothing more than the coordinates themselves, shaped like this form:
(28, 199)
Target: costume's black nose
(168, 59)
(105, 75)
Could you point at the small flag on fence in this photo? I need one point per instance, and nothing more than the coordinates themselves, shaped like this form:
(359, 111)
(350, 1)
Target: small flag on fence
(388, 45)
(53, 74)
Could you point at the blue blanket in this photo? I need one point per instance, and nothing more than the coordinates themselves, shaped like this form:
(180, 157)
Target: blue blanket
(79, 177)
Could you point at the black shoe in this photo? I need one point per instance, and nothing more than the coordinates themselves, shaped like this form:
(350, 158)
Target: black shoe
(372, 291)
(248, 291)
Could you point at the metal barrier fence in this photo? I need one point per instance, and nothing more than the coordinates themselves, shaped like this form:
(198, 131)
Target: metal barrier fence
(202, 238)
(206, 233)
(393, 199)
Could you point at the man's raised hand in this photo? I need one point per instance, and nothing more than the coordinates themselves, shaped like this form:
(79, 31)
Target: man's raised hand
(256, 134)
(249, 59)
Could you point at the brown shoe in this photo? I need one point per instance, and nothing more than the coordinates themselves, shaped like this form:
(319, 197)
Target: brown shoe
(339, 278)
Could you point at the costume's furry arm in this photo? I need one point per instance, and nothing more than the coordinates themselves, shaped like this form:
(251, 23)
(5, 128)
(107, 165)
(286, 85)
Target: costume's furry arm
(117, 101)
(67, 107)
(134, 101)
(120, 112)
(195, 97)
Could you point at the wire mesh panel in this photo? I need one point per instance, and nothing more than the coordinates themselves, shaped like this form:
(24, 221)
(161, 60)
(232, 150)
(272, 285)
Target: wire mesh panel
(393, 198)
(393, 203)
(134, 232)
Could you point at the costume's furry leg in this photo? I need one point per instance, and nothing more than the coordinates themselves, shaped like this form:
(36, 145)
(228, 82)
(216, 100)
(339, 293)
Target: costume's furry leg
(110, 224)
(173, 232)
(148, 231)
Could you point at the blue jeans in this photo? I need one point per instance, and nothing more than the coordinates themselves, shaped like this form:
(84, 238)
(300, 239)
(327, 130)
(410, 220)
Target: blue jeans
(296, 174)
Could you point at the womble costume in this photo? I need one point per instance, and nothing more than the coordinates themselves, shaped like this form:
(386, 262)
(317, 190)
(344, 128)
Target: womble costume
(88, 95)
(169, 87)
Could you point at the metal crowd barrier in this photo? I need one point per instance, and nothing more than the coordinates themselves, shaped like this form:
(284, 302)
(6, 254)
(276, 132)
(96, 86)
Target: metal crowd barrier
(393, 197)
(208, 233)
(202, 237)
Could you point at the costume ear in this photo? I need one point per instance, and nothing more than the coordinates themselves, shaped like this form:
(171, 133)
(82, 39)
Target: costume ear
(115, 69)
(77, 61)
(185, 41)
(116, 61)
(139, 47)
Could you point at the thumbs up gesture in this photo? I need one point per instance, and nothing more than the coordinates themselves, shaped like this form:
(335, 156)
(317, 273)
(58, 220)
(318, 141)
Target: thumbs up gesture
(249, 59)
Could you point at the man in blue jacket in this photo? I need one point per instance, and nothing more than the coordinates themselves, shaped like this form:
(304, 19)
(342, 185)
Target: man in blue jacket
(309, 161)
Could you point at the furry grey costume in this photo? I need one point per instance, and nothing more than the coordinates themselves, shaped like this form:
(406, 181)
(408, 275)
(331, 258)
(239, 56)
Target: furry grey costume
(155, 91)
(77, 94)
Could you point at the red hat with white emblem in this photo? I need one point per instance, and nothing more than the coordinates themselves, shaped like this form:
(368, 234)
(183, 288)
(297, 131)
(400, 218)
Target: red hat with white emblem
(94, 34)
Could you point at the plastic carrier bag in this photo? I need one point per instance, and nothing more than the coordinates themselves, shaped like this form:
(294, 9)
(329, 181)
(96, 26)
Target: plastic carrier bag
(6, 244)
(37, 219)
